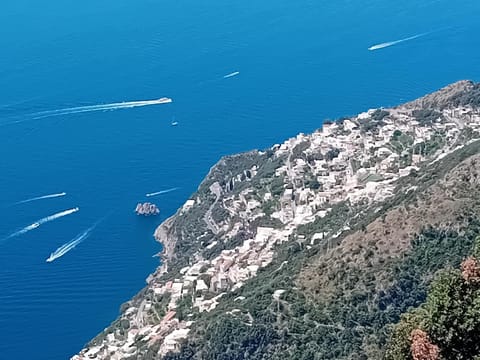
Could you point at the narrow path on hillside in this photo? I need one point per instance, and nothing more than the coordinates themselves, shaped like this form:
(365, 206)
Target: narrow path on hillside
(216, 189)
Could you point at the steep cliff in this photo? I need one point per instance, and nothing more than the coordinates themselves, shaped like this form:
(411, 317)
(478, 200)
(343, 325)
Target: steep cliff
(313, 249)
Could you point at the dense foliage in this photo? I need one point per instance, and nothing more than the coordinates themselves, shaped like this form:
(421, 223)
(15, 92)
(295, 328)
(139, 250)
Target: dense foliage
(450, 317)
(380, 114)
(471, 97)
(426, 117)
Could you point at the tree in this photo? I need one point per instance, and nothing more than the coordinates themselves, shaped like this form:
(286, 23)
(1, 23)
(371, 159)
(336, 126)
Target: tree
(332, 154)
(453, 306)
(396, 134)
(422, 348)
(450, 318)
(380, 114)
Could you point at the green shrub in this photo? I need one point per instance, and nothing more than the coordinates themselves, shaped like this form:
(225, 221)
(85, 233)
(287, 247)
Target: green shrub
(426, 117)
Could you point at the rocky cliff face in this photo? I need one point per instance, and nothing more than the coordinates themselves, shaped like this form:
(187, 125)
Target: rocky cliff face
(315, 247)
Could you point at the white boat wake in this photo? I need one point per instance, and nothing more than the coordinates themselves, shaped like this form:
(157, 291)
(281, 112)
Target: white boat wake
(392, 43)
(24, 230)
(65, 248)
(57, 215)
(235, 73)
(51, 196)
(101, 107)
(161, 192)
(42, 221)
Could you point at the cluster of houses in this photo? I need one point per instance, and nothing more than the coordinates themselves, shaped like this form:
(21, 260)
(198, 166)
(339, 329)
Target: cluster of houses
(348, 163)
(343, 162)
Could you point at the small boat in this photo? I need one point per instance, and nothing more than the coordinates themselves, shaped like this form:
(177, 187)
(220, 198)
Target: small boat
(174, 123)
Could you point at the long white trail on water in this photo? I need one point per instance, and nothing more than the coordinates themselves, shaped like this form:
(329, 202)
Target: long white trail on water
(65, 248)
(101, 107)
(161, 192)
(44, 220)
(51, 196)
(57, 215)
(235, 73)
(392, 43)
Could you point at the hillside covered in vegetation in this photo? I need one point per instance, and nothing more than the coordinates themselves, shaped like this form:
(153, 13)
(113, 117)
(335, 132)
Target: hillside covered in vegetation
(358, 241)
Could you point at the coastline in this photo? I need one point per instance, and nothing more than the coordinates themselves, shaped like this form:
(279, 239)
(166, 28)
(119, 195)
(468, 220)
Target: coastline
(232, 226)
(167, 240)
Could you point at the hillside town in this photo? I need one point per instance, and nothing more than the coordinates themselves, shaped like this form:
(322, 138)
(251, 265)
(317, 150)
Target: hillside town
(356, 160)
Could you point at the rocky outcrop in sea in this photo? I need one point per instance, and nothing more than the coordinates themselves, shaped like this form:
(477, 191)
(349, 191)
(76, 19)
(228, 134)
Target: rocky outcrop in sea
(147, 209)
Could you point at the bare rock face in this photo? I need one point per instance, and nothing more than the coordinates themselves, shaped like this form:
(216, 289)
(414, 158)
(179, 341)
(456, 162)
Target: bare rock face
(147, 209)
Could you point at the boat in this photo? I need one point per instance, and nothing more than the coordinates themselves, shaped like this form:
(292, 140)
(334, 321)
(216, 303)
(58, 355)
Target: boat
(174, 123)
(33, 226)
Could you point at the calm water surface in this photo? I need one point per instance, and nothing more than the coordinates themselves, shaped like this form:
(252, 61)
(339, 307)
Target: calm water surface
(299, 62)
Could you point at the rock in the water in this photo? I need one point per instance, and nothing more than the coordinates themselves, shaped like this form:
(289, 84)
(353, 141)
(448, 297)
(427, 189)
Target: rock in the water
(147, 209)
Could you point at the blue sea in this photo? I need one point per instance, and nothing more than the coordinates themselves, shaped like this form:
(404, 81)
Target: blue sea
(299, 62)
